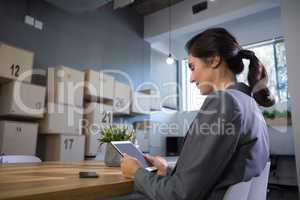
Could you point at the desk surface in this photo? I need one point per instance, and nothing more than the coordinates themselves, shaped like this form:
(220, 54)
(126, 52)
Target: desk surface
(60, 180)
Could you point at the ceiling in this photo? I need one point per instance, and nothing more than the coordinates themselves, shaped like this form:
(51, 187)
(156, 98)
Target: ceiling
(78, 6)
(146, 7)
(143, 7)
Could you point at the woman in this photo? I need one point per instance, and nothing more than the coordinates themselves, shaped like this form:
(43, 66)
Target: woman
(228, 140)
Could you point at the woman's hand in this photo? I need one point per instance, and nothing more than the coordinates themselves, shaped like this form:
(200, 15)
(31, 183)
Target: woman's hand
(129, 166)
(159, 162)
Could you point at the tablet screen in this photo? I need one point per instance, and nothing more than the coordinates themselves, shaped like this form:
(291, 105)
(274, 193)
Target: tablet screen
(130, 149)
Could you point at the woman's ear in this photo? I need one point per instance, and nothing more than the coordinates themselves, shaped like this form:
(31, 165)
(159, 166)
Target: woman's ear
(215, 61)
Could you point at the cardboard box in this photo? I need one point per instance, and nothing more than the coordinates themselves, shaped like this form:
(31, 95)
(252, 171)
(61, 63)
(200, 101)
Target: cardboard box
(97, 115)
(22, 99)
(92, 144)
(155, 98)
(62, 119)
(15, 63)
(62, 147)
(141, 103)
(122, 94)
(98, 85)
(65, 86)
(18, 138)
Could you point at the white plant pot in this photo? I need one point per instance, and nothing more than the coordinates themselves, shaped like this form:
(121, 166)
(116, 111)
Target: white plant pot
(112, 157)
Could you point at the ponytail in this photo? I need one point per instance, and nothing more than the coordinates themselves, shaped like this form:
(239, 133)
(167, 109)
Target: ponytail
(257, 79)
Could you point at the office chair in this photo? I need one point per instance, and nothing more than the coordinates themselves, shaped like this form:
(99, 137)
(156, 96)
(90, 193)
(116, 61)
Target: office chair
(255, 189)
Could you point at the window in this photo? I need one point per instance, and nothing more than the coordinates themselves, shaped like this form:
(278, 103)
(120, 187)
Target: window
(192, 98)
(271, 53)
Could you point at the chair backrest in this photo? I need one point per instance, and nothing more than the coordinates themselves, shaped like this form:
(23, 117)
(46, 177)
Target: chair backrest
(238, 191)
(19, 159)
(259, 185)
(255, 189)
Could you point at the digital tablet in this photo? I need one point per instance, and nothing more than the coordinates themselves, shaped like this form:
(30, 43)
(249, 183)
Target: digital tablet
(128, 148)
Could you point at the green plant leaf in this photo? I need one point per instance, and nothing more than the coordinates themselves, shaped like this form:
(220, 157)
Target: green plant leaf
(116, 133)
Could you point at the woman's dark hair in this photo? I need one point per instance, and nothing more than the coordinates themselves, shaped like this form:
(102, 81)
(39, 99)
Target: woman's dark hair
(219, 42)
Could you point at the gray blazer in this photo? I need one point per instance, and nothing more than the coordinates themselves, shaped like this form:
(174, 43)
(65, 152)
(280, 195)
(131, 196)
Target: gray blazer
(226, 143)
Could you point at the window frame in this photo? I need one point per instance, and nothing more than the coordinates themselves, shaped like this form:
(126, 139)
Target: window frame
(273, 42)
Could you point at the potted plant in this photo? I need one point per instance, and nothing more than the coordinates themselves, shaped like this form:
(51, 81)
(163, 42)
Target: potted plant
(114, 133)
(277, 118)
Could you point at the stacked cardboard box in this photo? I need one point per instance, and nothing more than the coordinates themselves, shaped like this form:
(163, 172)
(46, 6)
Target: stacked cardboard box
(15, 63)
(21, 103)
(60, 135)
(98, 112)
(60, 128)
(155, 99)
(98, 86)
(22, 100)
(97, 117)
(141, 103)
(61, 119)
(122, 98)
(18, 138)
(65, 86)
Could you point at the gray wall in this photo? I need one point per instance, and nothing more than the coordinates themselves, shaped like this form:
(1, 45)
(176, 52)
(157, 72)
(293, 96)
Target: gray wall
(164, 76)
(102, 39)
(254, 28)
(156, 24)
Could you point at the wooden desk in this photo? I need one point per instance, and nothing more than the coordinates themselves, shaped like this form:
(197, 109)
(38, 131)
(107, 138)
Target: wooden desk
(58, 180)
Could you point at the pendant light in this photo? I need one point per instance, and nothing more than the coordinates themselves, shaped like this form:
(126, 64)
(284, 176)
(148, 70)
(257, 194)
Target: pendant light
(170, 60)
